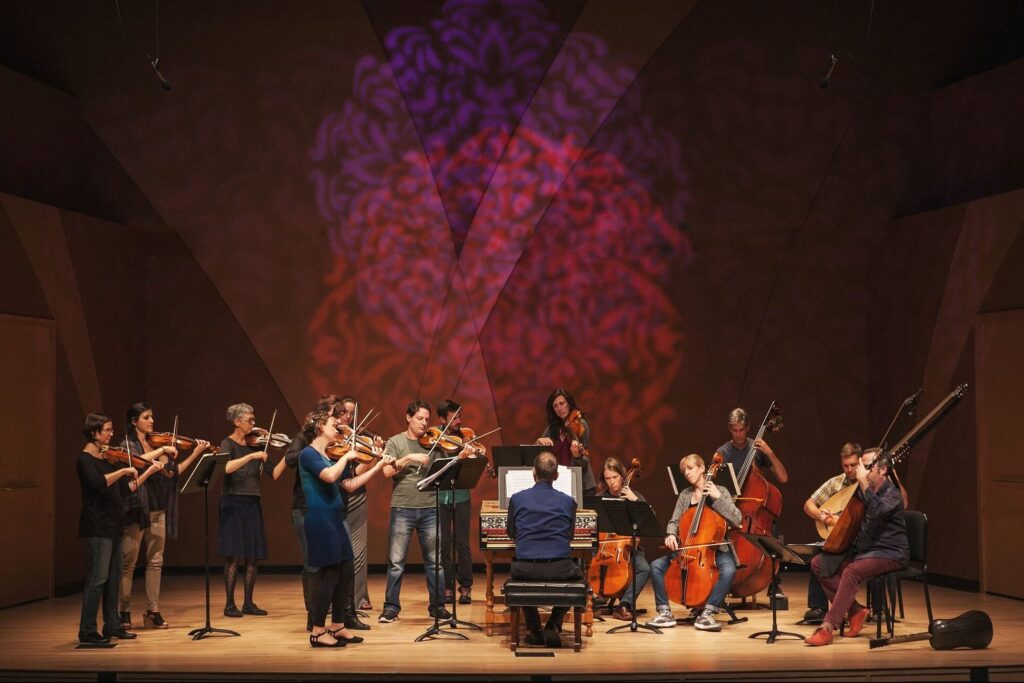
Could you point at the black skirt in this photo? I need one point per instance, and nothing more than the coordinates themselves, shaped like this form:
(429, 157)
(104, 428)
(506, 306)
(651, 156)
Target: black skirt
(241, 527)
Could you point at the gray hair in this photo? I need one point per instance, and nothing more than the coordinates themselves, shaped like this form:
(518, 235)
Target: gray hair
(238, 410)
(738, 416)
(545, 466)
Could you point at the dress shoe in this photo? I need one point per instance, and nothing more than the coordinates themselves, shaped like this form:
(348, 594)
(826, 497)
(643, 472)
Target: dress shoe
(440, 612)
(599, 601)
(449, 597)
(814, 615)
(92, 638)
(120, 634)
(551, 638)
(622, 613)
(821, 636)
(534, 639)
(314, 640)
(857, 623)
(232, 611)
(356, 625)
(252, 609)
(465, 596)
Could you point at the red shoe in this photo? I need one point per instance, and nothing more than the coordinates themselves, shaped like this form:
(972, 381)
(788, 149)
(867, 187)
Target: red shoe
(821, 636)
(857, 622)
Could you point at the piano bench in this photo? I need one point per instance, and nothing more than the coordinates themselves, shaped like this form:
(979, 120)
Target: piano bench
(520, 594)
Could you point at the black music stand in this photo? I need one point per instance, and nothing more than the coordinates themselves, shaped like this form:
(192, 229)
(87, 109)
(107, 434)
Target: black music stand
(207, 469)
(779, 553)
(633, 518)
(516, 456)
(451, 473)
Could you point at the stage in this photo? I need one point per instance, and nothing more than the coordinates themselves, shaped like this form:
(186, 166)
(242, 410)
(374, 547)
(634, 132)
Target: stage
(38, 640)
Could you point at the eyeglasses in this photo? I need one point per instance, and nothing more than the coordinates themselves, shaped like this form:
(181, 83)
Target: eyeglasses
(107, 430)
(251, 419)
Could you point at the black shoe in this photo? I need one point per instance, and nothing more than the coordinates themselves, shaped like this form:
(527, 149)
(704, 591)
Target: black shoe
(126, 620)
(232, 611)
(120, 634)
(387, 616)
(153, 620)
(92, 638)
(440, 612)
(599, 601)
(551, 638)
(342, 639)
(814, 615)
(356, 625)
(465, 596)
(314, 641)
(309, 621)
(252, 609)
(534, 639)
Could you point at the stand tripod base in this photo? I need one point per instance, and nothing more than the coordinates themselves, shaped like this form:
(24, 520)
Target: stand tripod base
(774, 635)
(456, 623)
(633, 626)
(435, 631)
(200, 633)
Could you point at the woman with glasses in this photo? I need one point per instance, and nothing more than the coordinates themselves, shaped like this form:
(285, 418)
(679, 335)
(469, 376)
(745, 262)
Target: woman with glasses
(567, 448)
(242, 539)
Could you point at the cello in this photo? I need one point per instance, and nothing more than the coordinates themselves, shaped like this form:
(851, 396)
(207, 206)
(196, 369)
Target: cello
(611, 569)
(760, 503)
(692, 574)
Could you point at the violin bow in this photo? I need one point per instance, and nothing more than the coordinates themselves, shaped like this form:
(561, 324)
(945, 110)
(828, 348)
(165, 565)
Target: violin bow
(444, 432)
(270, 431)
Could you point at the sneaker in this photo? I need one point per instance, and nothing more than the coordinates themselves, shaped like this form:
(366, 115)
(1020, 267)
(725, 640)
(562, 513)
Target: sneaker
(706, 621)
(388, 616)
(857, 623)
(821, 636)
(664, 619)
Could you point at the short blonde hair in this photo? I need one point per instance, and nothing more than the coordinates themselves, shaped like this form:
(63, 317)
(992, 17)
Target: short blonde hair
(692, 459)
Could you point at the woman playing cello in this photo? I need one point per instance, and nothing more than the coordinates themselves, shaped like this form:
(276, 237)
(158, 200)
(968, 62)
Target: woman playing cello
(692, 467)
(616, 481)
(568, 435)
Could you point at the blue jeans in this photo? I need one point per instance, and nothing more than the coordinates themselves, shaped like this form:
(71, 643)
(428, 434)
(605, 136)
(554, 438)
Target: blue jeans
(403, 522)
(725, 562)
(101, 585)
(643, 572)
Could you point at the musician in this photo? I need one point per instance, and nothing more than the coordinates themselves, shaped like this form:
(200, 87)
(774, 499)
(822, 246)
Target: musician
(881, 546)
(152, 514)
(242, 539)
(101, 523)
(849, 458)
(692, 467)
(615, 482)
(310, 573)
(567, 449)
(541, 521)
(324, 528)
(411, 510)
(735, 450)
(455, 511)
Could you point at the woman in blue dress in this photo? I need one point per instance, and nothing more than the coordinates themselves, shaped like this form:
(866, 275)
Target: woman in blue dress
(328, 543)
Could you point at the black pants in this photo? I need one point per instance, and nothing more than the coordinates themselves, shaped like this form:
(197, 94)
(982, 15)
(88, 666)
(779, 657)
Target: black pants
(334, 593)
(464, 556)
(564, 569)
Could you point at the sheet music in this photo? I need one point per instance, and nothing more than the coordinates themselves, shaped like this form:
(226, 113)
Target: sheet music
(672, 480)
(520, 480)
(735, 481)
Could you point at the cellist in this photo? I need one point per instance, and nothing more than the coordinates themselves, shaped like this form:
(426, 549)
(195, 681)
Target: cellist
(735, 449)
(615, 475)
(693, 468)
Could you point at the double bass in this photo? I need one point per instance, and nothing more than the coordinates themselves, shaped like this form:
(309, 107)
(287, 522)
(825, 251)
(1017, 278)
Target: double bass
(692, 575)
(610, 569)
(760, 503)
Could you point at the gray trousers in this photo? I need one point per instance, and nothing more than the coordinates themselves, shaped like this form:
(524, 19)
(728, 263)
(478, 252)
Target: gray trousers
(356, 525)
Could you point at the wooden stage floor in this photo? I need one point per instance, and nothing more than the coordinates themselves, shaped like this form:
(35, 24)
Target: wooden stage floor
(38, 640)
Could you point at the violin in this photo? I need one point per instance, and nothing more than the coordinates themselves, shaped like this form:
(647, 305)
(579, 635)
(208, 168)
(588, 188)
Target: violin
(262, 439)
(574, 425)
(693, 573)
(181, 443)
(453, 443)
(120, 456)
(363, 444)
(611, 571)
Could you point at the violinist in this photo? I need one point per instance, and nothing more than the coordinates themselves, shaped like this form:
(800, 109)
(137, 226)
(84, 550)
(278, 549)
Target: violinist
(563, 418)
(326, 538)
(455, 511)
(310, 573)
(615, 482)
(101, 523)
(411, 510)
(849, 458)
(881, 546)
(242, 538)
(153, 515)
(692, 467)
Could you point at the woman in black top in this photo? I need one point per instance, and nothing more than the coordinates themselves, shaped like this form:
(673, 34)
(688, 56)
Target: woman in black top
(242, 540)
(103, 488)
(567, 449)
(151, 515)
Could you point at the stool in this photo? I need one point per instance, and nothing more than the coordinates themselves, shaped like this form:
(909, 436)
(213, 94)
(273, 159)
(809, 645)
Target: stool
(520, 594)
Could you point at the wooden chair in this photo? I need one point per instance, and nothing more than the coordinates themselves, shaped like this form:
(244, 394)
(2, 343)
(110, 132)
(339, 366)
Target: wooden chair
(519, 594)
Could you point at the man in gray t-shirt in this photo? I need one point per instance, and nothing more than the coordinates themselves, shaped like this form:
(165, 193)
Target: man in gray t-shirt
(411, 510)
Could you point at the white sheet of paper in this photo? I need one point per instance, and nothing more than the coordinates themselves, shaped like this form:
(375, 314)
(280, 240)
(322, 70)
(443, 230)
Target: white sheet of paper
(519, 480)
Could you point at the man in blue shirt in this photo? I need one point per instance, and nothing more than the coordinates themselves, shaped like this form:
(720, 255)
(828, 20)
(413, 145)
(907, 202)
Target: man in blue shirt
(541, 522)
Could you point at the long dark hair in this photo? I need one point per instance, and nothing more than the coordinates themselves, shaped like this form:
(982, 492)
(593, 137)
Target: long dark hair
(555, 423)
(134, 413)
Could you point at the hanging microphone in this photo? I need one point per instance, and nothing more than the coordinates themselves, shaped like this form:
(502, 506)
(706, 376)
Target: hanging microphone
(164, 83)
(823, 83)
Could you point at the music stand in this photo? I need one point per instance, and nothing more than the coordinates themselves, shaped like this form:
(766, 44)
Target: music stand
(448, 473)
(207, 469)
(516, 456)
(779, 553)
(633, 518)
